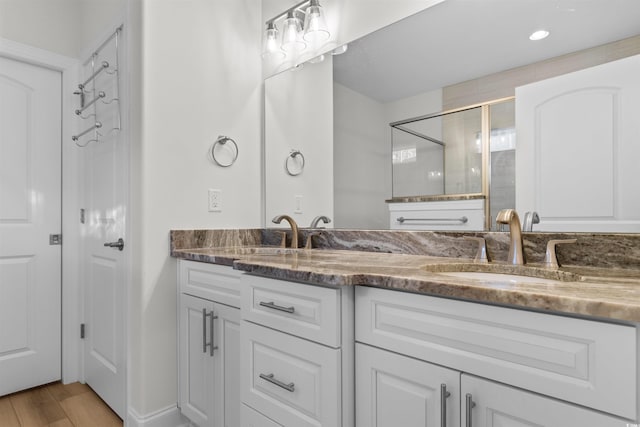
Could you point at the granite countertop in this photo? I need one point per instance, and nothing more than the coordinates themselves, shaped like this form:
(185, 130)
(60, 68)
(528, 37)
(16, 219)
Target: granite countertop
(605, 293)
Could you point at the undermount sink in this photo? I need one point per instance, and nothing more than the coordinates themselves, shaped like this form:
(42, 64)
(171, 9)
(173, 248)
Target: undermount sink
(498, 277)
(503, 273)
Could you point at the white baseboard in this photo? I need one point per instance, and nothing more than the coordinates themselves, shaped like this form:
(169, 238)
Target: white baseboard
(168, 417)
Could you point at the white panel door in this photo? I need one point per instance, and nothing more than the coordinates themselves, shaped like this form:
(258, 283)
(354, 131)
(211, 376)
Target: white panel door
(105, 199)
(498, 405)
(395, 390)
(577, 151)
(30, 210)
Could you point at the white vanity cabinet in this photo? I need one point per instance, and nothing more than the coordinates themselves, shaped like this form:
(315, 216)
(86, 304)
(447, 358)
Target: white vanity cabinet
(460, 215)
(517, 367)
(209, 343)
(296, 354)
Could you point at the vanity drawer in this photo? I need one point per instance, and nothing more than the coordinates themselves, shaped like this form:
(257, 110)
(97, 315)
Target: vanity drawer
(253, 418)
(583, 361)
(444, 215)
(308, 311)
(210, 281)
(290, 380)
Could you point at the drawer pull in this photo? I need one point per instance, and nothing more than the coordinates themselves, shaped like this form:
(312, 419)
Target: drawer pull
(274, 306)
(444, 394)
(269, 377)
(470, 405)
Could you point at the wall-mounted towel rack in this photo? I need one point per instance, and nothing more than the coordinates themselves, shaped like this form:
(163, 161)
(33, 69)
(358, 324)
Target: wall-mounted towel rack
(102, 91)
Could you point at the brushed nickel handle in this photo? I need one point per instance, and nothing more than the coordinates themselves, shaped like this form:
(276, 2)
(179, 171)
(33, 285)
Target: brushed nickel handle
(270, 378)
(470, 404)
(444, 394)
(462, 220)
(550, 258)
(204, 330)
(209, 344)
(119, 244)
(274, 306)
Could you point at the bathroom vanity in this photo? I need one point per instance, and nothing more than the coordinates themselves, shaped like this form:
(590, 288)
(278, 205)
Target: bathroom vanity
(328, 337)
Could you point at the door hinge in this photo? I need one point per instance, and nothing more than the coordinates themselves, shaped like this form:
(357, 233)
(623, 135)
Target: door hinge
(82, 216)
(55, 239)
(81, 330)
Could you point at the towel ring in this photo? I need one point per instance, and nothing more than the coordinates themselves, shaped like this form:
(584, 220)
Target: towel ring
(291, 166)
(221, 143)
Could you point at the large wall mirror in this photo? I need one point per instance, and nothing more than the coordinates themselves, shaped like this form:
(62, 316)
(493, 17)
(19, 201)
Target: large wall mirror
(338, 112)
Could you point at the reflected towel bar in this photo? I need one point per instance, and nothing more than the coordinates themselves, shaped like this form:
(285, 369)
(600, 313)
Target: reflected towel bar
(462, 220)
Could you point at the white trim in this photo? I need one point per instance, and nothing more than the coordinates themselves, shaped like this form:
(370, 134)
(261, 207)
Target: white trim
(68, 67)
(167, 417)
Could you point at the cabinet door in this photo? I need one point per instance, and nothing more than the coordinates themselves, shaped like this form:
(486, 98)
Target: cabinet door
(196, 363)
(394, 390)
(498, 405)
(226, 358)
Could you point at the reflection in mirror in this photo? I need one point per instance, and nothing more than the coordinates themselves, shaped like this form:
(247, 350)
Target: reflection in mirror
(438, 154)
(408, 70)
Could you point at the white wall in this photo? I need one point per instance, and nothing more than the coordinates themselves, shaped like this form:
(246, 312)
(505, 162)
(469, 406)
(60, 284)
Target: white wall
(201, 77)
(362, 166)
(45, 24)
(287, 94)
(67, 27)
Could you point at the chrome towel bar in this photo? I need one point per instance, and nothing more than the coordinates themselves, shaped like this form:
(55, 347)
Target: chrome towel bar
(462, 220)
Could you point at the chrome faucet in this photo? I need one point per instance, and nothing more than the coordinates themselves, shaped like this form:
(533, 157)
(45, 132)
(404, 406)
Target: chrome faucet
(530, 218)
(294, 228)
(516, 251)
(316, 220)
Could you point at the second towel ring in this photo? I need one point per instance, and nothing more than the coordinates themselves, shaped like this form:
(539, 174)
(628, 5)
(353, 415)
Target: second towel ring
(221, 143)
(292, 167)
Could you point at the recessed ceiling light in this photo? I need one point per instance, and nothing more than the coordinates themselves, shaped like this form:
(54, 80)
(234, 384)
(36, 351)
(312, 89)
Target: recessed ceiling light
(539, 35)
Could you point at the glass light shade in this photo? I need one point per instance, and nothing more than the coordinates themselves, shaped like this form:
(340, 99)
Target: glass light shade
(315, 25)
(292, 34)
(271, 47)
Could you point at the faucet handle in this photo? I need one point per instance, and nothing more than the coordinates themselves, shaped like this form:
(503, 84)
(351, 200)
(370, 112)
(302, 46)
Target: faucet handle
(283, 238)
(550, 258)
(310, 236)
(481, 254)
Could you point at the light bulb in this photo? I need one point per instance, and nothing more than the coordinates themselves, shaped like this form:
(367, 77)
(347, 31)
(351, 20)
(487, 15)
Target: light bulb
(315, 26)
(270, 48)
(292, 34)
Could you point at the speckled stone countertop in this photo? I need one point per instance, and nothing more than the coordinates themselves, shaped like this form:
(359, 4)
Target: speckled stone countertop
(604, 293)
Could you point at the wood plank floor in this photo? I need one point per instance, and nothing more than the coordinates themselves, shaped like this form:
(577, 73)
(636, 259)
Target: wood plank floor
(56, 405)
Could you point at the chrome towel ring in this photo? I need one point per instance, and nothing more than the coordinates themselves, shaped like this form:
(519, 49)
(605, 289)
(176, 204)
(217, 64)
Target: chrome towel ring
(220, 146)
(294, 163)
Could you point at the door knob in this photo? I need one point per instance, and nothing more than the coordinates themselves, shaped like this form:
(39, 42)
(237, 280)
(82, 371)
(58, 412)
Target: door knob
(119, 244)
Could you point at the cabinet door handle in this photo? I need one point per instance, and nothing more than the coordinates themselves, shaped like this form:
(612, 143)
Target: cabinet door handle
(469, 406)
(269, 377)
(274, 306)
(209, 344)
(443, 404)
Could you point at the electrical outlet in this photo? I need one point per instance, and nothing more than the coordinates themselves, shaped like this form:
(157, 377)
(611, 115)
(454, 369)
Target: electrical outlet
(215, 203)
(298, 208)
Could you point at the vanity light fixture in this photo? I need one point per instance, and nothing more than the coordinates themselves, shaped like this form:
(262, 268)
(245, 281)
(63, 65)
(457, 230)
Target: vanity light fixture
(340, 50)
(539, 35)
(271, 46)
(292, 33)
(296, 34)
